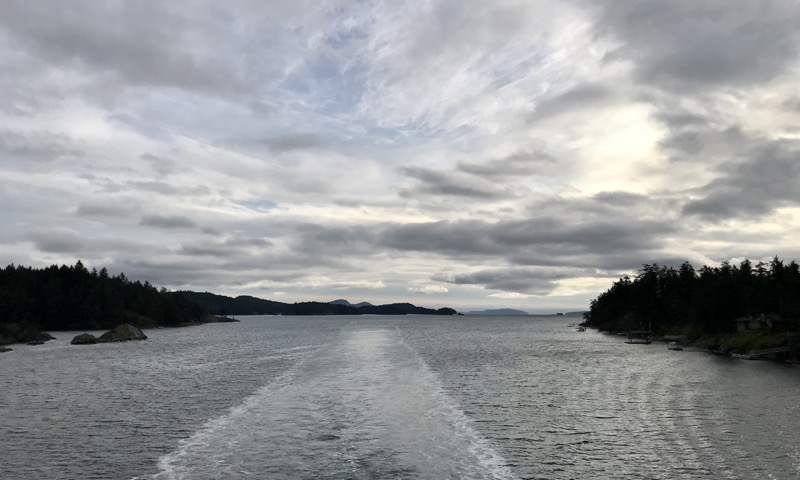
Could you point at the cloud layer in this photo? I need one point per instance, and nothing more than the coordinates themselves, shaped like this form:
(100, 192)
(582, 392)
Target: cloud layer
(517, 154)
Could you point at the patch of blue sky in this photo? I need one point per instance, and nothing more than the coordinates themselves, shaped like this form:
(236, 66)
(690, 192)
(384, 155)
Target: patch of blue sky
(259, 205)
(331, 86)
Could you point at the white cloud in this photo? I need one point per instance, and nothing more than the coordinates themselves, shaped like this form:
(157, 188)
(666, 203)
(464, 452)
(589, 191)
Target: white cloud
(509, 295)
(428, 289)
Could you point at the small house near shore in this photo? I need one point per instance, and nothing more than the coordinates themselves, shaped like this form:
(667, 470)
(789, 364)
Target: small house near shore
(758, 322)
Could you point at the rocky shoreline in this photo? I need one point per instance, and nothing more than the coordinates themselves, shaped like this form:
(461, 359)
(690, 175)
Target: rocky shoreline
(749, 345)
(27, 334)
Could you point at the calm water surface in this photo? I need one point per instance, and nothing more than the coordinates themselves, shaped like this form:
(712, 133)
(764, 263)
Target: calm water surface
(395, 398)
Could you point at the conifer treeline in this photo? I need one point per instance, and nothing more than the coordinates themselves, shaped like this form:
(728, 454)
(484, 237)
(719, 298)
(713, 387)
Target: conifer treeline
(669, 300)
(72, 297)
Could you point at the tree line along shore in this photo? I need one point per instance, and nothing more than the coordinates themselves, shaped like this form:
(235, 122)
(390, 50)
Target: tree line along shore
(728, 308)
(60, 298)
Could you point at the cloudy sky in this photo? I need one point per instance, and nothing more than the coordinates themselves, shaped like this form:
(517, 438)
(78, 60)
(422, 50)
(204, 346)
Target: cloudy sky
(456, 153)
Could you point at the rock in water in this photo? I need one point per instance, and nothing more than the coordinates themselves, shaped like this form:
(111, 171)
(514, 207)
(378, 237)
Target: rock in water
(84, 339)
(122, 333)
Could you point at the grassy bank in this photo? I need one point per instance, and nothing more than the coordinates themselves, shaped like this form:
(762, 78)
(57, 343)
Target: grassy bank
(751, 340)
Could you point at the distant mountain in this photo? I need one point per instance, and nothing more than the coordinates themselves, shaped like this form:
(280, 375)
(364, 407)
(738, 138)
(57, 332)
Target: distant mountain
(342, 301)
(498, 311)
(246, 305)
(241, 305)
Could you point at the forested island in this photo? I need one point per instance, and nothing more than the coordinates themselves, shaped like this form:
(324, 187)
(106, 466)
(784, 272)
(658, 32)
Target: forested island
(247, 305)
(33, 301)
(729, 308)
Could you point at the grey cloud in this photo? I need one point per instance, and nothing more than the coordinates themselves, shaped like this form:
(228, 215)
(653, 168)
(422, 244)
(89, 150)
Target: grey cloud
(768, 177)
(107, 185)
(155, 187)
(596, 236)
(60, 242)
(174, 222)
(292, 141)
(520, 280)
(705, 143)
(67, 241)
(546, 237)
(443, 237)
(583, 96)
(437, 182)
(619, 198)
(228, 266)
(792, 104)
(38, 146)
(248, 242)
(103, 209)
(518, 164)
(231, 247)
(692, 44)
(217, 250)
(141, 42)
(333, 241)
(676, 117)
(210, 231)
(165, 271)
(162, 165)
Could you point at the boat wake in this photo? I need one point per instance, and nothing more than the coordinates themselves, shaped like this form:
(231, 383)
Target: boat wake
(361, 407)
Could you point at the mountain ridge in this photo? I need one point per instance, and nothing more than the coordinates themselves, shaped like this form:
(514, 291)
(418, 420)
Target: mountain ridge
(248, 305)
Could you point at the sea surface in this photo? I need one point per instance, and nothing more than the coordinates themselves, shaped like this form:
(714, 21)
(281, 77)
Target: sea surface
(381, 397)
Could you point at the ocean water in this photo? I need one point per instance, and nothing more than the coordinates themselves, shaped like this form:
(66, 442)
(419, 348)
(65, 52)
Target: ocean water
(380, 397)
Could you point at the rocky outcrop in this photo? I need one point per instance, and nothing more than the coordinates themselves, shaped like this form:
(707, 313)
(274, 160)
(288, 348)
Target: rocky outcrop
(6, 349)
(84, 339)
(122, 333)
(22, 332)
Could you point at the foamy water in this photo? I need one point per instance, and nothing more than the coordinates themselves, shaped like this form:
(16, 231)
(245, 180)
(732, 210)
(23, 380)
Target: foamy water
(363, 406)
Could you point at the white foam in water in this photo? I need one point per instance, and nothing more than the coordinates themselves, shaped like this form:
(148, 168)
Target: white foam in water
(479, 447)
(172, 467)
(366, 406)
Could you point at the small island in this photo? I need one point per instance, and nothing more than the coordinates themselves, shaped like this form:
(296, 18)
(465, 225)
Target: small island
(498, 311)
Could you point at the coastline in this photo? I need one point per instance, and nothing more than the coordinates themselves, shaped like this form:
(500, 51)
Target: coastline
(25, 333)
(783, 347)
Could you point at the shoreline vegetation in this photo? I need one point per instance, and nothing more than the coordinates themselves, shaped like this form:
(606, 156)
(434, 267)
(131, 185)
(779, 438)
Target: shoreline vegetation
(748, 311)
(72, 298)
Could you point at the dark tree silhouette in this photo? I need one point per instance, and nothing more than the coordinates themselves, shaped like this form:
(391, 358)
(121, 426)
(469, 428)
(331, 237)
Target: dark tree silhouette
(73, 298)
(707, 301)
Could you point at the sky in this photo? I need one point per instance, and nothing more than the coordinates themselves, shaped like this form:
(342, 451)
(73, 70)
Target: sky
(471, 154)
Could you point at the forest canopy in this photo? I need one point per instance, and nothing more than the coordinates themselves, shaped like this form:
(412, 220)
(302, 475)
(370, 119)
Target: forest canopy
(72, 297)
(707, 301)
